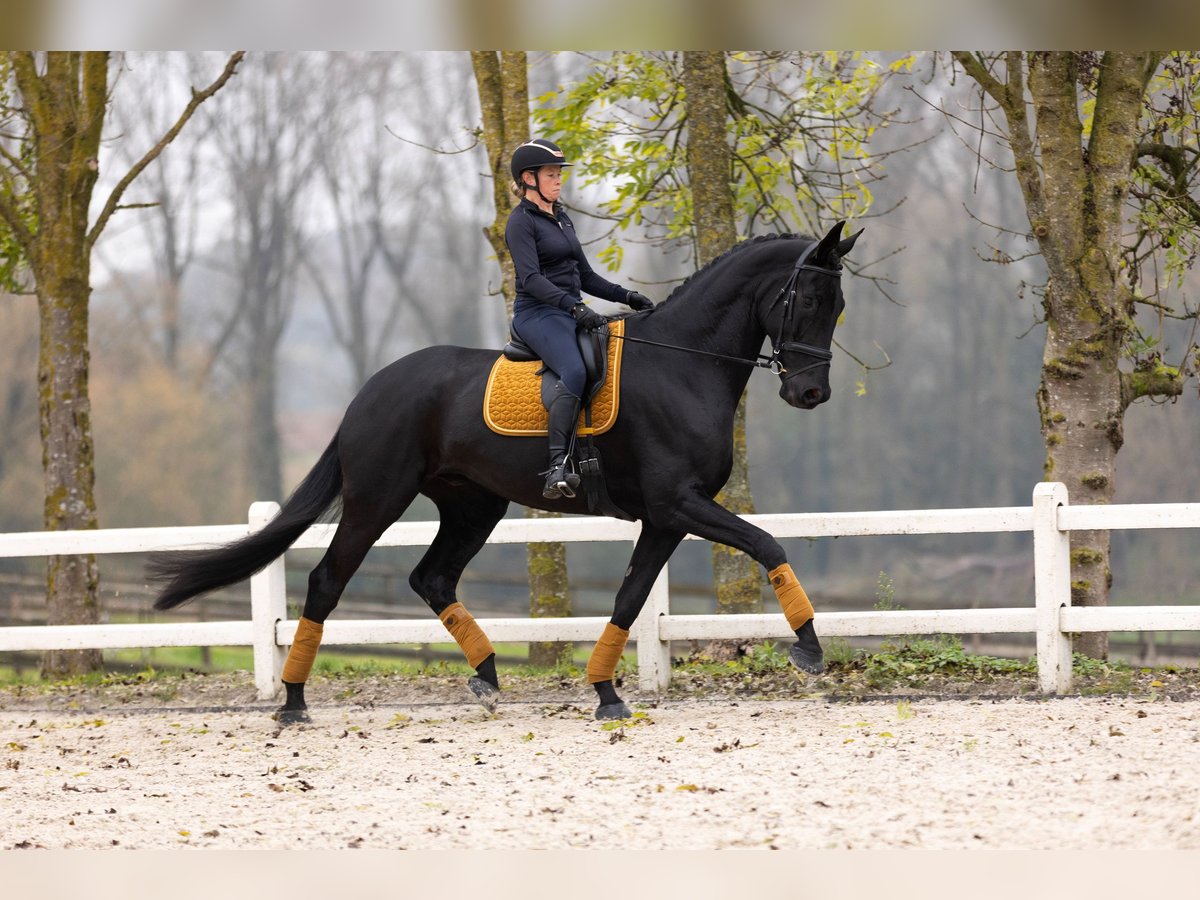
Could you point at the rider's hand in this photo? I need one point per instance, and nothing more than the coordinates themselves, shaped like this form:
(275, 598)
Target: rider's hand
(587, 319)
(637, 301)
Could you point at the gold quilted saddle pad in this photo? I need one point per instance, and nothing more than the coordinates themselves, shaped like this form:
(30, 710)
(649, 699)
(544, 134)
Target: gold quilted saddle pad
(512, 403)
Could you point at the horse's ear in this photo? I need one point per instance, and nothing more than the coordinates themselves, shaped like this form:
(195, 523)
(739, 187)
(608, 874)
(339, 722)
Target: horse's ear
(844, 247)
(828, 243)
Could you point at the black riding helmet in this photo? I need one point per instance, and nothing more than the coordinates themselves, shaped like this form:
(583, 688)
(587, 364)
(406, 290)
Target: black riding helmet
(533, 155)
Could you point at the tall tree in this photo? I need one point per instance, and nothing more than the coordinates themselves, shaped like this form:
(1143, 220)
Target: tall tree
(737, 578)
(368, 239)
(51, 152)
(800, 126)
(1086, 140)
(267, 137)
(705, 146)
(503, 83)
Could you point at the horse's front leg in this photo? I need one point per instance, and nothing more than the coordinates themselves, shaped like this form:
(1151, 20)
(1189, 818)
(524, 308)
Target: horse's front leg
(699, 515)
(653, 548)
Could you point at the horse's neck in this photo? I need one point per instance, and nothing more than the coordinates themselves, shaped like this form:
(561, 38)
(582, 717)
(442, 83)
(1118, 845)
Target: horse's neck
(700, 322)
(707, 320)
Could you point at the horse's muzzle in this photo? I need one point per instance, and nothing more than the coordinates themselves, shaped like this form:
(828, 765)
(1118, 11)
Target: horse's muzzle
(804, 396)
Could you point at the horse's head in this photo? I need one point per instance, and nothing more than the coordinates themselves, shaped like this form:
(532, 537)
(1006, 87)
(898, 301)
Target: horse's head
(800, 317)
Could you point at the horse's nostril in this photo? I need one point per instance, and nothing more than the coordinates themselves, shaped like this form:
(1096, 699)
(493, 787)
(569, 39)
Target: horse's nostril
(812, 396)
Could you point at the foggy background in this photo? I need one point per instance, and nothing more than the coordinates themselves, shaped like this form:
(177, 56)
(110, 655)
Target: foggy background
(323, 215)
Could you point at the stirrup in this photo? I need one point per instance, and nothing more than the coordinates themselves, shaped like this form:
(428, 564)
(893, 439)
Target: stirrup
(560, 482)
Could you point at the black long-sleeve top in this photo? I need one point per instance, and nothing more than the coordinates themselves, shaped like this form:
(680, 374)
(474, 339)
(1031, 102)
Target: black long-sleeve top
(550, 263)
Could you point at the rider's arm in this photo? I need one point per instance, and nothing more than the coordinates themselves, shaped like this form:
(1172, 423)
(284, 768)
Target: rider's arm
(589, 280)
(598, 286)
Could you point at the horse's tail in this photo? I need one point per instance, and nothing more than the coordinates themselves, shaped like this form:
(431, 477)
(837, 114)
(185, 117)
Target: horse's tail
(188, 574)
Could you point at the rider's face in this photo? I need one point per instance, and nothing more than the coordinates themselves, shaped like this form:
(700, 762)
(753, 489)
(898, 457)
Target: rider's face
(549, 181)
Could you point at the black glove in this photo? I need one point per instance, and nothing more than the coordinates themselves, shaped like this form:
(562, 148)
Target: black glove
(637, 301)
(587, 319)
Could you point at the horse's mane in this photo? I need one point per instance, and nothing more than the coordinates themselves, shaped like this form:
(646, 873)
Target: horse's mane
(682, 287)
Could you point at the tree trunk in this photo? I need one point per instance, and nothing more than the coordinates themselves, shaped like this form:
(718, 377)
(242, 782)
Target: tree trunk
(67, 106)
(264, 457)
(1079, 400)
(503, 83)
(68, 454)
(737, 578)
(1075, 185)
(549, 593)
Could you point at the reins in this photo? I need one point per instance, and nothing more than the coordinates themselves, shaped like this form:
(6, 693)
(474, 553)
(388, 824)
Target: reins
(764, 362)
(773, 362)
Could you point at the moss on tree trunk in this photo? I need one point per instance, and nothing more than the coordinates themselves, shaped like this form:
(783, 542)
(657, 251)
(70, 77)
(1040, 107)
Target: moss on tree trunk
(66, 105)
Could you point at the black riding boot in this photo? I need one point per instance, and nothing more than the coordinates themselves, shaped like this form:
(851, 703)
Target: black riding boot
(564, 411)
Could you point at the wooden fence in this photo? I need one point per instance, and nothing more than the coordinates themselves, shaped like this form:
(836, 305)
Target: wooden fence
(1052, 618)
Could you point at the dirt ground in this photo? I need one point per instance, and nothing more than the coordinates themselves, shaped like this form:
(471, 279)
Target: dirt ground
(411, 762)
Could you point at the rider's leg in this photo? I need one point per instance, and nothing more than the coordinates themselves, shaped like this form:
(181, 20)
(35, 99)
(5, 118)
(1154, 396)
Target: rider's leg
(551, 333)
(562, 418)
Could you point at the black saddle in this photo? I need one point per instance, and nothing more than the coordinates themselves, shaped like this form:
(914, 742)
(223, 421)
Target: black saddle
(593, 347)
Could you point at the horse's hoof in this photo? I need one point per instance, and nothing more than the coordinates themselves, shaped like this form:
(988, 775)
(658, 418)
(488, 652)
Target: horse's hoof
(807, 660)
(485, 692)
(618, 710)
(286, 716)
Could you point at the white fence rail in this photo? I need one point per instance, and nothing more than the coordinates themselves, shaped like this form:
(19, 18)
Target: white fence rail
(269, 632)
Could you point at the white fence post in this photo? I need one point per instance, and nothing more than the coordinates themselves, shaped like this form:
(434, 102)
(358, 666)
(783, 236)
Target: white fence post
(653, 653)
(268, 606)
(1052, 587)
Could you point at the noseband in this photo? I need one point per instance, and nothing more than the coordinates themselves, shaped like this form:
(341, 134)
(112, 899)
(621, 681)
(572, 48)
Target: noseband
(787, 294)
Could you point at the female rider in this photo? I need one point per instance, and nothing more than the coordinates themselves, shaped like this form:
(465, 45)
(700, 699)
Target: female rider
(552, 273)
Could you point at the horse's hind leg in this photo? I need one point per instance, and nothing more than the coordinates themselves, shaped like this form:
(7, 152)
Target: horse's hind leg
(360, 527)
(468, 514)
(654, 547)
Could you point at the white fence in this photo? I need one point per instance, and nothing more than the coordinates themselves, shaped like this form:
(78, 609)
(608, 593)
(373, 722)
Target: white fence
(269, 631)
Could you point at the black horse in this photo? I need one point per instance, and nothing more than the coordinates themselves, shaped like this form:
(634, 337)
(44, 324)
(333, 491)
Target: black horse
(416, 427)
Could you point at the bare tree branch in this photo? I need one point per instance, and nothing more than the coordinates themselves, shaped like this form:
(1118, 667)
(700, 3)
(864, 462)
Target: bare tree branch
(974, 66)
(198, 97)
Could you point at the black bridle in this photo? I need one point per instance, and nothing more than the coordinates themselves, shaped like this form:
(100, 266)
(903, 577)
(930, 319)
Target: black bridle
(779, 346)
(787, 294)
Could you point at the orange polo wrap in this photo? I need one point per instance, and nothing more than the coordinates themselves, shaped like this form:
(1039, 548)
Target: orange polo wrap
(304, 650)
(462, 625)
(602, 664)
(795, 603)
